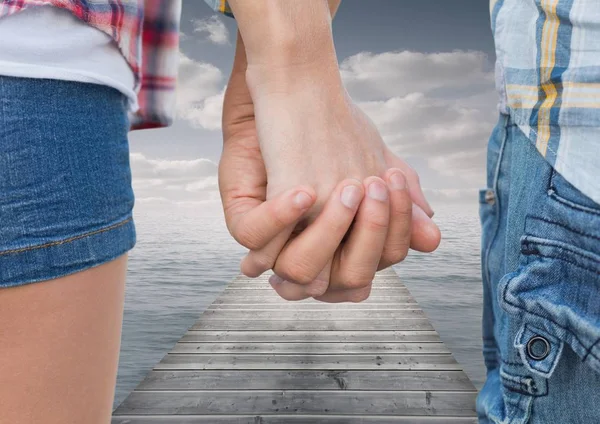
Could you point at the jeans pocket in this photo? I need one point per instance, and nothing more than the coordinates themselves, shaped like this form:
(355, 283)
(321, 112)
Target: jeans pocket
(556, 293)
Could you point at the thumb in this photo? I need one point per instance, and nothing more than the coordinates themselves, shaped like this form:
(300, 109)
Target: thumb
(255, 222)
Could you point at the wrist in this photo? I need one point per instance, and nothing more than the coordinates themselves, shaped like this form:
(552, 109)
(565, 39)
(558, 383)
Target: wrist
(323, 76)
(284, 33)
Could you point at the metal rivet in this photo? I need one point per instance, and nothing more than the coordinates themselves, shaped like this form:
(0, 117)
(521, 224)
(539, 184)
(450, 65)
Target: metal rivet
(490, 197)
(533, 347)
(531, 386)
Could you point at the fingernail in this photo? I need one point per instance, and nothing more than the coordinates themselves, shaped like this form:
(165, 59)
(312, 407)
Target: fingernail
(378, 191)
(302, 200)
(397, 181)
(351, 196)
(275, 279)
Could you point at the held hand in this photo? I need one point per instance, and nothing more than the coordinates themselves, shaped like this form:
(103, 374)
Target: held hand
(322, 148)
(267, 227)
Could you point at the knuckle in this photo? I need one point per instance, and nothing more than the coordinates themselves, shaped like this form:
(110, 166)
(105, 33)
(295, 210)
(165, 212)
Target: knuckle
(262, 262)
(317, 289)
(276, 217)
(395, 255)
(287, 296)
(337, 226)
(248, 237)
(376, 222)
(402, 210)
(299, 272)
(401, 205)
(356, 280)
(360, 296)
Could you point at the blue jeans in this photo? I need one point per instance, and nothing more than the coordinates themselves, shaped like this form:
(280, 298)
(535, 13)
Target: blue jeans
(66, 199)
(541, 285)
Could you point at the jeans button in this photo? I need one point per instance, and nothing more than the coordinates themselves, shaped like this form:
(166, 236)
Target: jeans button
(538, 348)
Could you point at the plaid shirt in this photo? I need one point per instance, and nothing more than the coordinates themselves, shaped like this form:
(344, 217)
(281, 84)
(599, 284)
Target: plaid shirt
(548, 77)
(147, 34)
(220, 6)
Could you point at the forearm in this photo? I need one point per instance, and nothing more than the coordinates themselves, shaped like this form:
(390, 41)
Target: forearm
(287, 41)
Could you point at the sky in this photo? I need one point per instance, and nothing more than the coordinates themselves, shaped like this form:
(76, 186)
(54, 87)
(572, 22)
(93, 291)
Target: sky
(422, 70)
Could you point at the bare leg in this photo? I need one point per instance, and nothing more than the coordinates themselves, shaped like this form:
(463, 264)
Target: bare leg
(59, 347)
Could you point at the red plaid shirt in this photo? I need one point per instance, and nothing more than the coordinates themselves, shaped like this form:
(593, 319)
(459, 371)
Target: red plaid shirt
(147, 33)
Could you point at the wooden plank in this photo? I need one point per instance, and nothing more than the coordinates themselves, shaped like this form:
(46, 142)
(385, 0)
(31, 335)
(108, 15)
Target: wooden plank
(294, 325)
(288, 419)
(317, 315)
(441, 403)
(256, 358)
(197, 336)
(305, 380)
(307, 362)
(308, 348)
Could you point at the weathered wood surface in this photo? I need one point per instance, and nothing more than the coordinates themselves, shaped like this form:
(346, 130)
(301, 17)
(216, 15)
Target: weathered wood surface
(253, 357)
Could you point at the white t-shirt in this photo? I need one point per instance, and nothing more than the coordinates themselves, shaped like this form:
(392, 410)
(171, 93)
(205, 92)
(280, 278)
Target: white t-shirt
(48, 42)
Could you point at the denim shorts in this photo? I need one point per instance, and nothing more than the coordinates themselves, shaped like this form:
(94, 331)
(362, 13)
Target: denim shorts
(541, 287)
(66, 198)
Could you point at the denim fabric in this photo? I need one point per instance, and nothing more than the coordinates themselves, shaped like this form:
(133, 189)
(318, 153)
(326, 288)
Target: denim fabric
(541, 276)
(65, 183)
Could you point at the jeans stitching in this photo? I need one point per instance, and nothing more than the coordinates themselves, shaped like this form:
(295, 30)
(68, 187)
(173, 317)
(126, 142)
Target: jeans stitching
(589, 351)
(70, 239)
(572, 205)
(496, 206)
(512, 363)
(548, 221)
(553, 193)
(560, 258)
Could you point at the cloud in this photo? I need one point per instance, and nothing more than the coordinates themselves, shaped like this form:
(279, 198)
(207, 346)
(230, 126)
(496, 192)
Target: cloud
(174, 180)
(215, 29)
(393, 74)
(200, 91)
(437, 107)
(207, 113)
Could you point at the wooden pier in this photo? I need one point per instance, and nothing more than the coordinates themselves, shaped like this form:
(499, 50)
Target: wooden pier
(253, 358)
